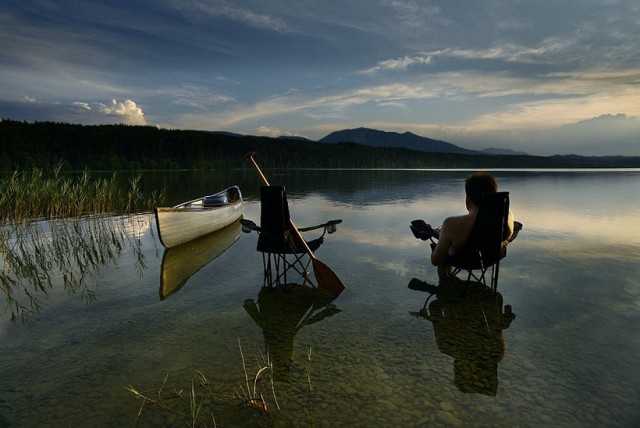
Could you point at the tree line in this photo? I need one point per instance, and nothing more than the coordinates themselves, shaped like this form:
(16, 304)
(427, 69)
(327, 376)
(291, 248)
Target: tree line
(43, 145)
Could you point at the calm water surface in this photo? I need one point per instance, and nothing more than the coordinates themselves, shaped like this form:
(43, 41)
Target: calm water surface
(559, 347)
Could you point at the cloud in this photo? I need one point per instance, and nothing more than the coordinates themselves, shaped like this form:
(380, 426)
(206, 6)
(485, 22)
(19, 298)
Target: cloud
(275, 132)
(128, 112)
(95, 113)
(198, 10)
(607, 134)
(398, 64)
(505, 52)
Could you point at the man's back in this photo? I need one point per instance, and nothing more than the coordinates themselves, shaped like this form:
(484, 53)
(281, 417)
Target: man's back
(453, 234)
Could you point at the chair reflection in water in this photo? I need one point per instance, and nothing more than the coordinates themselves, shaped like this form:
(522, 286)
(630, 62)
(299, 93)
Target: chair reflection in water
(280, 247)
(282, 314)
(469, 329)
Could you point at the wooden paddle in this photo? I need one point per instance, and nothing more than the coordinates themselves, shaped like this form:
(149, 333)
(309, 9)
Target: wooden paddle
(327, 279)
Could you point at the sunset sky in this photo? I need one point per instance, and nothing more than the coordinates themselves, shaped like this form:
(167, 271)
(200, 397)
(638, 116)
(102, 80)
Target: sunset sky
(544, 77)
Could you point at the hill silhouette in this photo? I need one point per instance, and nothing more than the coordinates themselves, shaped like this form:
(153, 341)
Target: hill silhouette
(408, 140)
(42, 145)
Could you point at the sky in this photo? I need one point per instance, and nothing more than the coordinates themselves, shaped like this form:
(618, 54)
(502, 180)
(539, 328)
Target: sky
(540, 76)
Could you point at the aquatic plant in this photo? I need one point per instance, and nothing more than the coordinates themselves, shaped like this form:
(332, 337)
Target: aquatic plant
(253, 396)
(308, 368)
(38, 256)
(54, 227)
(198, 404)
(28, 196)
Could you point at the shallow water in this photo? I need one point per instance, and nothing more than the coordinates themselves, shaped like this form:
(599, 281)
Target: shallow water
(569, 357)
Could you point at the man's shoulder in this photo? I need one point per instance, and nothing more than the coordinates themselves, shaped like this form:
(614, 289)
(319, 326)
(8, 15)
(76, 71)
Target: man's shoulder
(457, 220)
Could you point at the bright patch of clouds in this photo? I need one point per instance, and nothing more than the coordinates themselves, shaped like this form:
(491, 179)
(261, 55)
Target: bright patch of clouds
(116, 112)
(275, 132)
(127, 111)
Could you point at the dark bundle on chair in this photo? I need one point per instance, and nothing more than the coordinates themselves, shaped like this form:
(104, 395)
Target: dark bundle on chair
(281, 249)
(422, 230)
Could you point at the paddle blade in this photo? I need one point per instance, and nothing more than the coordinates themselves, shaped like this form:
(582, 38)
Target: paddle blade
(327, 279)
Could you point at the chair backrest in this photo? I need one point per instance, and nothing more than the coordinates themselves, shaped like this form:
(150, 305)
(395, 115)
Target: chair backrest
(484, 244)
(274, 219)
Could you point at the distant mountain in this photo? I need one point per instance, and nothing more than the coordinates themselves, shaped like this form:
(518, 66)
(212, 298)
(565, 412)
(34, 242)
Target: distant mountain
(498, 151)
(225, 133)
(373, 137)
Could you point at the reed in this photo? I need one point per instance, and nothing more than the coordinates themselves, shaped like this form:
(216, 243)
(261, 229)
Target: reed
(34, 195)
(197, 405)
(79, 235)
(35, 257)
(308, 368)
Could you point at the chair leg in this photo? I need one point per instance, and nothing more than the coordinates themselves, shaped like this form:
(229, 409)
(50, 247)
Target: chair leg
(268, 273)
(494, 277)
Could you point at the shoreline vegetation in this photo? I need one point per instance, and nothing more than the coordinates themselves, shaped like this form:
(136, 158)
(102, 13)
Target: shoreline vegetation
(44, 145)
(62, 227)
(36, 195)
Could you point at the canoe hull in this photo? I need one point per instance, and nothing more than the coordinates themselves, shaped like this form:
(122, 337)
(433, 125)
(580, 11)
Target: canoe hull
(181, 263)
(192, 220)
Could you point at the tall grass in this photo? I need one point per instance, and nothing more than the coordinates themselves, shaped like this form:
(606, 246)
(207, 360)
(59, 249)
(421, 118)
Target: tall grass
(72, 243)
(25, 196)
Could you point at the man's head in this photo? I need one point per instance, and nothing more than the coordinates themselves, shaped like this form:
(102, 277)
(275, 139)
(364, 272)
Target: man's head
(479, 183)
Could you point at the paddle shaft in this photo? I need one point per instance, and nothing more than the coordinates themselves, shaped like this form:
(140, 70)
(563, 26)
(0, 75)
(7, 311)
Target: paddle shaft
(264, 180)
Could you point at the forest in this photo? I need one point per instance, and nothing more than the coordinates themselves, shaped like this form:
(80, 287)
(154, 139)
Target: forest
(43, 145)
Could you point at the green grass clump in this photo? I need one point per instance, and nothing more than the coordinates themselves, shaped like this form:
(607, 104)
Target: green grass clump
(25, 196)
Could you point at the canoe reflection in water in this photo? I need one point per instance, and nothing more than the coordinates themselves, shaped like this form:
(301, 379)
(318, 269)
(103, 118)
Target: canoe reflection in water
(467, 327)
(282, 314)
(180, 263)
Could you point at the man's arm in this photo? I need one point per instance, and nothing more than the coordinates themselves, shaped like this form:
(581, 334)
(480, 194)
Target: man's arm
(440, 252)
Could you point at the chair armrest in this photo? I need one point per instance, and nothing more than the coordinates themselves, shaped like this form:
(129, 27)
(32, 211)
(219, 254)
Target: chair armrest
(517, 227)
(248, 226)
(326, 225)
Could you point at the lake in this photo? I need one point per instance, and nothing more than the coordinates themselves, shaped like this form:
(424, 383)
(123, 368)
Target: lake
(559, 346)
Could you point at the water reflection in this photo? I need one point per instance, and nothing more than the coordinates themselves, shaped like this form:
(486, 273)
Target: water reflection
(282, 314)
(38, 256)
(467, 327)
(179, 264)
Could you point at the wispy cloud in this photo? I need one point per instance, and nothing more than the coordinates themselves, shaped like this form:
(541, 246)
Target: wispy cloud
(557, 99)
(398, 64)
(508, 52)
(199, 10)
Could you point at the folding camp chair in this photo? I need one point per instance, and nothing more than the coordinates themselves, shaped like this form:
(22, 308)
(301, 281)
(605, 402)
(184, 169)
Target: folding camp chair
(486, 245)
(487, 242)
(280, 247)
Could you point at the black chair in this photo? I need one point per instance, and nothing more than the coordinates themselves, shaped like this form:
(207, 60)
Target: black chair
(487, 242)
(485, 246)
(280, 246)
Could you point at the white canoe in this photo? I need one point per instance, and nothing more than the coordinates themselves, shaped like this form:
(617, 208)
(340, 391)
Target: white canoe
(199, 217)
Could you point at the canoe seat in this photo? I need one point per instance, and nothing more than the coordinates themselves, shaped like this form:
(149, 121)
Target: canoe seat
(280, 247)
(215, 201)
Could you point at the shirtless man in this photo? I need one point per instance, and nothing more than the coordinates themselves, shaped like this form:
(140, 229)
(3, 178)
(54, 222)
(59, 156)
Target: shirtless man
(455, 230)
